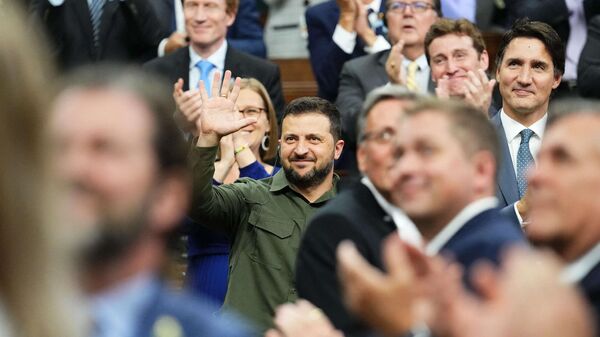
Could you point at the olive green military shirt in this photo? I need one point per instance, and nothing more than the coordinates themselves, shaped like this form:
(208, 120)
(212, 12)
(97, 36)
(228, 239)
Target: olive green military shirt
(265, 220)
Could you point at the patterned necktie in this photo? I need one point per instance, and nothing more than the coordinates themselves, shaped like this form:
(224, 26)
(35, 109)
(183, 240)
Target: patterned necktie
(411, 77)
(375, 22)
(205, 68)
(96, 9)
(524, 160)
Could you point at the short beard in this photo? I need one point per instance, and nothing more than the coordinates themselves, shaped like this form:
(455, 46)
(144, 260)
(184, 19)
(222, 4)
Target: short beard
(313, 178)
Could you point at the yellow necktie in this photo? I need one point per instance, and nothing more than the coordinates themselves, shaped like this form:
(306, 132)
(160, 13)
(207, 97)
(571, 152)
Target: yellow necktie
(411, 77)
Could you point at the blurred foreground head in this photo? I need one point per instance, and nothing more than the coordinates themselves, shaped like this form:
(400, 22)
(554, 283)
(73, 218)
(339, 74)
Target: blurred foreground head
(36, 288)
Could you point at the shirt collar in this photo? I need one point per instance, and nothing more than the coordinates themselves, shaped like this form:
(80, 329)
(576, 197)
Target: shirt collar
(576, 271)
(279, 182)
(421, 62)
(467, 213)
(217, 58)
(406, 228)
(512, 128)
(117, 309)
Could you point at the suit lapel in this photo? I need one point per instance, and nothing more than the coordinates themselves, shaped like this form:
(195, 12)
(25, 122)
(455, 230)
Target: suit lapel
(182, 67)
(110, 7)
(365, 198)
(507, 181)
(232, 62)
(82, 11)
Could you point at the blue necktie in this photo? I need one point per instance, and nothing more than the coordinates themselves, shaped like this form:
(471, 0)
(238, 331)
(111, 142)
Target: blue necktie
(524, 160)
(205, 67)
(96, 8)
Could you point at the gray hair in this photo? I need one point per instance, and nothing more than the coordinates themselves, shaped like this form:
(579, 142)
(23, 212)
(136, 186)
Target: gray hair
(568, 107)
(377, 95)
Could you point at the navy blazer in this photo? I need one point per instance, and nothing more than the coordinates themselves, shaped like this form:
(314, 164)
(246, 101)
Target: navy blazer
(326, 58)
(353, 215)
(591, 290)
(508, 190)
(176, 65)
(483, 237)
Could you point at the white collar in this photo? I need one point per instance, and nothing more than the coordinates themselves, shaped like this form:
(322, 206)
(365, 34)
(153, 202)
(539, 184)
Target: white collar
(470, 211)
(406, 228)
(575, 271)
(217, 58)
(512, 128)
(421, 62)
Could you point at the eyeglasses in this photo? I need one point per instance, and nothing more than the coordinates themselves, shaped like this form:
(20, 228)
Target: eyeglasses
(382, 137)
(417, 6)
(252, 111)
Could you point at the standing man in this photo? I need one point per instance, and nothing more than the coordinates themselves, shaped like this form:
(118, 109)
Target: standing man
(265, 219)
(89, 31)
(123, 163)
(362, 214)
(340, 30)
(408, 22)
(206, 23)
(530, 64)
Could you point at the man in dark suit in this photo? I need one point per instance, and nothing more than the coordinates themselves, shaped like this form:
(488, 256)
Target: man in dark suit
(407, 26)
(206, 27)
(361, 214)
(589, 64)
(121, 31)
(127, 194)
(564, 186)
(338, 31)
(530, 64)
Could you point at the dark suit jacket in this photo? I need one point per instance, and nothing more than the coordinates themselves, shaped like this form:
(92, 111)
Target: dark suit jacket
(194, 316)
(552, 12)
(588, 69)
(485, 236)
(129, 31)
(591, 290)
(353, 215)
(176, 65)
(326, 57)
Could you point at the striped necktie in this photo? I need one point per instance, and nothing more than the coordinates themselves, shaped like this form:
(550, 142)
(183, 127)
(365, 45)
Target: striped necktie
(96, 9)
(411, 77)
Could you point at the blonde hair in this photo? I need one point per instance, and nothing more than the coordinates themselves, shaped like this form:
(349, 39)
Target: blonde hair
(36, 285)
(255, 85)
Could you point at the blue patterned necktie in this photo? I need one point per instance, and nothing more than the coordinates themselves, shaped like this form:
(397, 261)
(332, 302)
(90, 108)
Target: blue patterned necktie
(524, 160)
(205, 68)
(96, 9)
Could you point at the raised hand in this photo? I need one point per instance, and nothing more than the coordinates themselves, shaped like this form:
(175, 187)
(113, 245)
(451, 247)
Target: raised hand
(219, 115)
(188, 105)
(393, 65)
(478, 89)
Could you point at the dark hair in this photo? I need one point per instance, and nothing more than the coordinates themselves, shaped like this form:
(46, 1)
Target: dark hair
(462, 27)
(318, 105)
(467, 123)
(535, 30)
(169, 145)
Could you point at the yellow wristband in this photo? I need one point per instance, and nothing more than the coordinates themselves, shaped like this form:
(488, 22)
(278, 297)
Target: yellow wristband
(239, 149)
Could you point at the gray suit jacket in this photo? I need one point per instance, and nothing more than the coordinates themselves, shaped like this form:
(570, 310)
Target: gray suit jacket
(359, 76)
(508, 191)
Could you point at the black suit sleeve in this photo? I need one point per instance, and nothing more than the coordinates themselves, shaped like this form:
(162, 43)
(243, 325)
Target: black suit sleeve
(350, 100)
(316, 276)
(273, 85)
(588, 70)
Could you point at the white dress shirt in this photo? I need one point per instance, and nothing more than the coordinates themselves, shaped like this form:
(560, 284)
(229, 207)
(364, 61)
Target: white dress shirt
(217, 58)
(347, 40)
(577, 270)
(406, 228)
(512, 131)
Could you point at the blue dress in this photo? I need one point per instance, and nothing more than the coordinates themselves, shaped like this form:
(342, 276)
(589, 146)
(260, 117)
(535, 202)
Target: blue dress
(208, 251)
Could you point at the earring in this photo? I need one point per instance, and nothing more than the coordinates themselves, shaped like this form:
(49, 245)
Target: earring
(264, 144)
